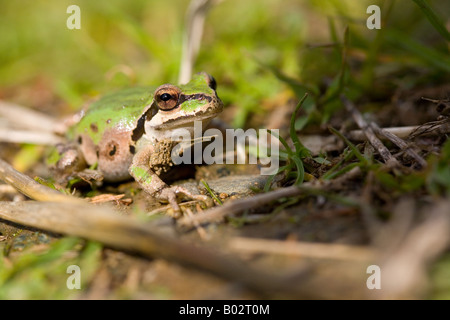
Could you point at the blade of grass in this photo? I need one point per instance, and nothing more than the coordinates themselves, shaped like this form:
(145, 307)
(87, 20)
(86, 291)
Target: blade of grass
(212, 193)
(355, 150)
(270, 179)
(334, 174)
(297, 144)
(300, 170)
(433, 18)
(427, 54)
(338, 83)
(283, 142)
(331, 173)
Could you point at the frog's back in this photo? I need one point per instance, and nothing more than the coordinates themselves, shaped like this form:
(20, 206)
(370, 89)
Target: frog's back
(104, 134)
(119, 110)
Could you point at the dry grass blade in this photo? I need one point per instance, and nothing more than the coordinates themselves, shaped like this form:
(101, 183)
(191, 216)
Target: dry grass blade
(442, 127)
(26, 118)
(304, 249)
(35, 137)
(195, 20)
(436, 127)
(399, 143)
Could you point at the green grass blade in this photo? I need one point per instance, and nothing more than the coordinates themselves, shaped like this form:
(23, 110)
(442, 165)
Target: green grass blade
(428, 55)
(212, 193)
(335, 89)
(300, 170)
(283, 142)
(355, 150)
(297, 144)
(335, 174)
(433, 18)
(331, 173)
(270, 179)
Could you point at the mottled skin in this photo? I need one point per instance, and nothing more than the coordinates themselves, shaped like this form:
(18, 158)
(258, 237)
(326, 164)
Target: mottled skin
(127, 133)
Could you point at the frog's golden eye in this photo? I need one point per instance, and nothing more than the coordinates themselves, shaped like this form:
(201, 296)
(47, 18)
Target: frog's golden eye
(167, 97)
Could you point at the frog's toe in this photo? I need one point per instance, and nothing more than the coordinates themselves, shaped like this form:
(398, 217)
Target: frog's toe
(169, 194)
(188, 194)
(90, 176)
(172, 198)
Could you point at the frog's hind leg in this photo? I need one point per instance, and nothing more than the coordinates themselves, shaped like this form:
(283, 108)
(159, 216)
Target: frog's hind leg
(65, 161)
(70, 163)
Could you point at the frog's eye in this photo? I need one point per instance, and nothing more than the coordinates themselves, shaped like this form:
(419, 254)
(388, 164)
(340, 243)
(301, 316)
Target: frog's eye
(167, 97)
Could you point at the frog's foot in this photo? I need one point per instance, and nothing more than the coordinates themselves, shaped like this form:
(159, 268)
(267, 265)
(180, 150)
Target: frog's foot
(169, 194)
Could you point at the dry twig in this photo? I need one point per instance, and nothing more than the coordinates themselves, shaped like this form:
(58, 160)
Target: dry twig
(409, 132)
(388, 158)
(399, 143)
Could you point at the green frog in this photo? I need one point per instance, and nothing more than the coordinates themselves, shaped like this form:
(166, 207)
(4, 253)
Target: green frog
(129, 134)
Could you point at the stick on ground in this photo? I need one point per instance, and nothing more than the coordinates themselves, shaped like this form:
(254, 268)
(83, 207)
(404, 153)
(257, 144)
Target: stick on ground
(388, 158)
(102, 223)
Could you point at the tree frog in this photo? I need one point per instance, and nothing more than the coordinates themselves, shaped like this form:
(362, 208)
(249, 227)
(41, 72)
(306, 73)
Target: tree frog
(128, 134)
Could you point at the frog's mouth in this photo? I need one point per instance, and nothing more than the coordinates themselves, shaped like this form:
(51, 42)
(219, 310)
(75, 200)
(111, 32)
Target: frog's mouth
(163, 122)
(184, 122)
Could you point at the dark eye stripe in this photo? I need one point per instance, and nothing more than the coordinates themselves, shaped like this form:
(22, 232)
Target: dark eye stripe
(140, 125)
(184, 97)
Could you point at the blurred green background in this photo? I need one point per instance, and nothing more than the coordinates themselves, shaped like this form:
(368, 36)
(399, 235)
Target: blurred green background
(259, 51)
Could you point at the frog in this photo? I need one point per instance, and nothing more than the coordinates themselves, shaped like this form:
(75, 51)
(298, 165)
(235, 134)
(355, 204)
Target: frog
(128, 135)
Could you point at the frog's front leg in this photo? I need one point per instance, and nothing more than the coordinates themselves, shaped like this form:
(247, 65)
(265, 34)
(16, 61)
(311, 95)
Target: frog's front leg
(143, 169)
